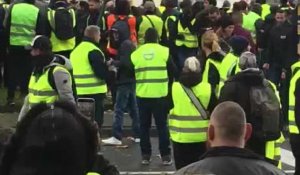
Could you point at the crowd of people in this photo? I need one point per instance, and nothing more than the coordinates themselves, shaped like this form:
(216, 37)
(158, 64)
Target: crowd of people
(179, 63)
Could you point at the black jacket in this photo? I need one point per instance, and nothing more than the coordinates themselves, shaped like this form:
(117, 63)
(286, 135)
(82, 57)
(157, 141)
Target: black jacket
(213, 74)
(229, 161)
(281, 46)
(123, 62)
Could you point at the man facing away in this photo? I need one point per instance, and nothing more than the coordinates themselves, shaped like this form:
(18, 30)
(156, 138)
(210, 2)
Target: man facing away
(227, 135)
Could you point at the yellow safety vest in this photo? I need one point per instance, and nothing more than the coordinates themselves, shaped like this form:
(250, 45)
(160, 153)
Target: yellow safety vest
(85, 80)
(249, 21)
(293, 128)
(189, 40)
(185, 122)
(57, 44)
(146, 24)
(40, 90)
(23, 24)
(150, 65)
(173, 18)
(273, 150)
(93, 173)
(266, 10)
(226, 68)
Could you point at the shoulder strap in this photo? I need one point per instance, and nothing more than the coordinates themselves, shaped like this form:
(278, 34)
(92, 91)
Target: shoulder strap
(51, 78)
(150, 21)
(196, 102)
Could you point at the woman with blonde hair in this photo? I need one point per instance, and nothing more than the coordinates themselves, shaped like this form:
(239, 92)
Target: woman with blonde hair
(188, 120)
(214, 56)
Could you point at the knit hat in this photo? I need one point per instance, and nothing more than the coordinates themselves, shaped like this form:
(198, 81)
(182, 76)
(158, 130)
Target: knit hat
(247, 60)
(239, 44)
(40, 42)
(226, 21)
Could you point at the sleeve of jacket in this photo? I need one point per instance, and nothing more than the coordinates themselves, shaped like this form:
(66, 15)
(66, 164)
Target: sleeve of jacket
(213, 76)
(97, 61)
(127, 47)
(172, 70)
(7, 24)
(63, 84)
(297, 103)
(41, 22)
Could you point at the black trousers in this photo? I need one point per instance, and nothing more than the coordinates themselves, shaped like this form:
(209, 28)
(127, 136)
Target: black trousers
(187, 153)
(99, 107)
(19, 69)
(295, 145)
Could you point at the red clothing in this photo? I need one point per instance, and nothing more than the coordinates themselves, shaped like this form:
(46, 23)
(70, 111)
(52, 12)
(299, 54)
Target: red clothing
(240, 31)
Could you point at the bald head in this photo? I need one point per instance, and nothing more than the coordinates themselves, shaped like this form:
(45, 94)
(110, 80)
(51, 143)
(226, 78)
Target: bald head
(92, 32)
(228, 125)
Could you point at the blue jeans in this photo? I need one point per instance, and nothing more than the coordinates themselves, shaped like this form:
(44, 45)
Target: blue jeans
(156, 107)
(126, 99)
(182, 54)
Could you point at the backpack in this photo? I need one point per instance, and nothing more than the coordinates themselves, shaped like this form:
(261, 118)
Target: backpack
(62, 22)
(119, 32)
(265, 112)
(60, 60)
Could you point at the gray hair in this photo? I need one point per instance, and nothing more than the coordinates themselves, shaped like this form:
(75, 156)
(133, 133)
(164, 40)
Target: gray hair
(247, 60)
(91, 31)
(191, 64)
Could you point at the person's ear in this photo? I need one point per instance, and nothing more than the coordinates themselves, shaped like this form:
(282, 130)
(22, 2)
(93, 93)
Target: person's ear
(248, 132)
(210, 133)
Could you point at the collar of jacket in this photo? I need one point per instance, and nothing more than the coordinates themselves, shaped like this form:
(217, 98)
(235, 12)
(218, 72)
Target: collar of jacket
(90, 40)
(231, 152)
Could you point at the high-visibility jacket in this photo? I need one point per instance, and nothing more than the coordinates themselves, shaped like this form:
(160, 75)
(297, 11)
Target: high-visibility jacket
(57, 44)
(228, 67)
(23, 24)
(93, 173)
(150, 65)
(186, 38)
(265, 10)
(40, 90)
(273, 150)
(172, 18)
(111, 19)
(293, 128)
(157, 23)
(85, 80)
(249, 21)
(205, 76)
(185, 122)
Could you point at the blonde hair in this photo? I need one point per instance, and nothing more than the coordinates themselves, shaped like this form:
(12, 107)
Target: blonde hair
(191, 64)
(210, 40)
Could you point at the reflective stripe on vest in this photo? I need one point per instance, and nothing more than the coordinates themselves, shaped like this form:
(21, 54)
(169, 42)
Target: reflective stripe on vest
(40, 90)
(23, 24)
(57, 44)
(85, 79)
(150, 62)
(293, 128)
(189, 40)
(146, 24)
(185, 122)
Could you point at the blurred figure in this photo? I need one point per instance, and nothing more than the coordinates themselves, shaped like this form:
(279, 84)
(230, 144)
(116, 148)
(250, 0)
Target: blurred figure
(249, 17)
(90, 71)
(56, 140)
(4, 5)
(188, 125)
(61, 27)
(228, 133)
(23, 21)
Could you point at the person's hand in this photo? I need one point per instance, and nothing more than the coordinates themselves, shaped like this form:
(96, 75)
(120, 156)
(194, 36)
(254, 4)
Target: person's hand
(266, 66)
(109, 62)
(283, 75)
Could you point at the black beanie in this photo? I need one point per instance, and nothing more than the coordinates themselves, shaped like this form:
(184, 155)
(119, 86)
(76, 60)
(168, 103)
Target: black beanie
(239, 44)
(226, 21)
